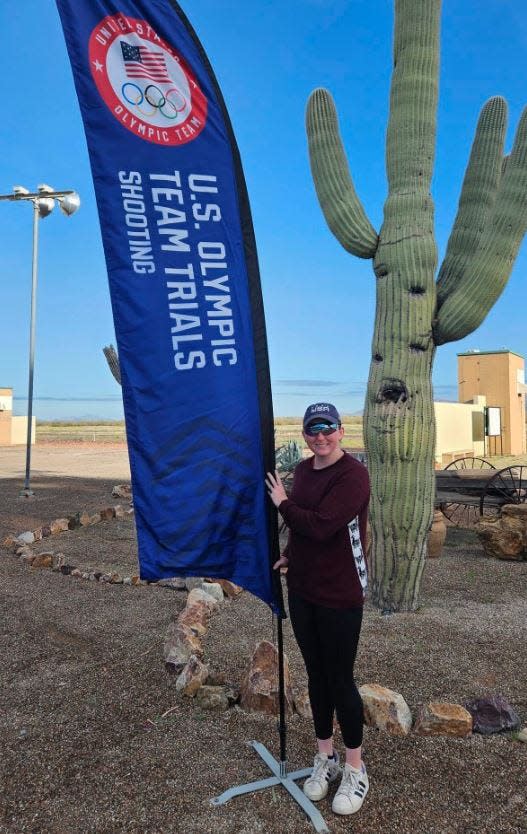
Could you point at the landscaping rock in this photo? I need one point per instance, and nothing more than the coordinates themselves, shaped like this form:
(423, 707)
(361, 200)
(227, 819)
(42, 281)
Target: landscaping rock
(28, 558)
(440, 719)
(198, 595)
(302, 704)
(77, 573)
(10, 541)
(59, 525)
(38, 534)
(107, 514)
(195, 617)
(180, 643)
(194, 675)
(58, 561)
(175, 584)
(43, 560)
(505, 537)
(522, 735)
(212, 697)
(122, 491)
(229, 588)
(232, 692)
(194, 582)
(74, 521)
(26, 538)
(385, 709)
(259, 688)
(492, 715)
(119, 511)
(214, 589)
(95, 519)
(46, 531)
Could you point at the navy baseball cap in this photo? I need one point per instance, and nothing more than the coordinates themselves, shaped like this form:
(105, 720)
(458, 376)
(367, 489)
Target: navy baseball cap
(321, 412)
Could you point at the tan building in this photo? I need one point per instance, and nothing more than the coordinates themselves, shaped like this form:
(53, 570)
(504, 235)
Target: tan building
(499, 376)
(13, 430)
(459, 430)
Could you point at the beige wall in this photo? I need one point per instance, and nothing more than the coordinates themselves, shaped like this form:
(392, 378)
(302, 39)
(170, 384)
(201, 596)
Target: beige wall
(5, 428)
(496, 376)
(454, 431)
(6, 411)
(19, 430)
(13, 430)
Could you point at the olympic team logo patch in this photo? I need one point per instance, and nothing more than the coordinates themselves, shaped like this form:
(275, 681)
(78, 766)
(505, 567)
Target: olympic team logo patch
(145, 83)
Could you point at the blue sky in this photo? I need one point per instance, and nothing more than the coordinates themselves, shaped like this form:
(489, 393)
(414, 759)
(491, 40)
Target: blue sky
(319, 301)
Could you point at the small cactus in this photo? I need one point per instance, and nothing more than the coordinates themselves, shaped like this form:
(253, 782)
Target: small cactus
(288, 456)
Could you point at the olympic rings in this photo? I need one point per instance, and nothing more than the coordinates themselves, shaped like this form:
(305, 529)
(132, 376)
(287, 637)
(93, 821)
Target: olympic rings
(175, 103)
(171, 103)
(139, 100)
(136, 87)
(161, 101)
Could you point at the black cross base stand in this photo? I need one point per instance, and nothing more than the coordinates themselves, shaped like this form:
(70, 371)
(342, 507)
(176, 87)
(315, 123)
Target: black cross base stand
(278, 769)
(281, 777)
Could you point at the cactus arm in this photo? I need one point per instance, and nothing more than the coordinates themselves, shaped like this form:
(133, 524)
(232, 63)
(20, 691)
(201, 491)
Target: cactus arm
(488, 272)
(336, 193)
(410, 138)
(480, 186)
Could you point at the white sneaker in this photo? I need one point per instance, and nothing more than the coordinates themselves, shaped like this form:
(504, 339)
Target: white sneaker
(324, 771)
(352, 790)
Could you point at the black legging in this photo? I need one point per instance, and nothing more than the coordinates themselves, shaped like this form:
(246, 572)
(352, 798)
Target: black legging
(328, 639)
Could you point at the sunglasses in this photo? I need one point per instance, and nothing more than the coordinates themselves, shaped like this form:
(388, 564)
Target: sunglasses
(321, 428)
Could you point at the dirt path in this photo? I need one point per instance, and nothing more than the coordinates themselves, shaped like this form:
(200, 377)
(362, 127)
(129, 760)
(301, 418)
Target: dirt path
(99, 460)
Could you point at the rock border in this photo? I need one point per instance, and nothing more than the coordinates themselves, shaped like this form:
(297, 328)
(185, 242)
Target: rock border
(384, 709)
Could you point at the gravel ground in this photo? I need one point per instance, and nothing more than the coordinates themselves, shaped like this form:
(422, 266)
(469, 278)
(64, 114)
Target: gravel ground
(95, 739)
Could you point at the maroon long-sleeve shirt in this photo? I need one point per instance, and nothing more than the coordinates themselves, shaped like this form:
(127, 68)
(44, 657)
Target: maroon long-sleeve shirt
(320, 513)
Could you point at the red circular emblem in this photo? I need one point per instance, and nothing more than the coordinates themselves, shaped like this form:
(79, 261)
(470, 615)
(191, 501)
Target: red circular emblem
(145, 83)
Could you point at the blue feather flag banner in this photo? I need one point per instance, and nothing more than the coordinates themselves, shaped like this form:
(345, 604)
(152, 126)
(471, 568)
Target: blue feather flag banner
(185, 292)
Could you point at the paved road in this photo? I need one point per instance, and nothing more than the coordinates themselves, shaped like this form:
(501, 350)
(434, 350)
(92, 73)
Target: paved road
(91, 460)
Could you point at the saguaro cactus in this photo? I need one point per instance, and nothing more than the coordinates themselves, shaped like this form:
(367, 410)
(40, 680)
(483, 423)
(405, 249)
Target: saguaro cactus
(113, 362)
(414, 313)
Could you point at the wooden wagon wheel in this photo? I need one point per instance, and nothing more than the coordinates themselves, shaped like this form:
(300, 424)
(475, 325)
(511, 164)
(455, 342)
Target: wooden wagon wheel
(470, 463)
(463, 514)
(507, 486)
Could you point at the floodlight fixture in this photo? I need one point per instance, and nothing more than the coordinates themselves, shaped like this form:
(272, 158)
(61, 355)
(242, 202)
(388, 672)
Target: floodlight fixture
(69, 203)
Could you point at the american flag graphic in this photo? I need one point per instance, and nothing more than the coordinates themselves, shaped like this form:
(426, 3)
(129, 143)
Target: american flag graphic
(141, 62)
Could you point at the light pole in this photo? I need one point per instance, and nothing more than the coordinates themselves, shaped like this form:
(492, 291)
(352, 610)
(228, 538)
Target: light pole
(43, 204)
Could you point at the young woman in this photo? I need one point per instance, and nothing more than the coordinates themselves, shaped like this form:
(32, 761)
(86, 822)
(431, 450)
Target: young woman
(326, 578)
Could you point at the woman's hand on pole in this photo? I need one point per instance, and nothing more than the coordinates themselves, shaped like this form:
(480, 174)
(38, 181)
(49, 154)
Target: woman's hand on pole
(282, 563)
(275, 488)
